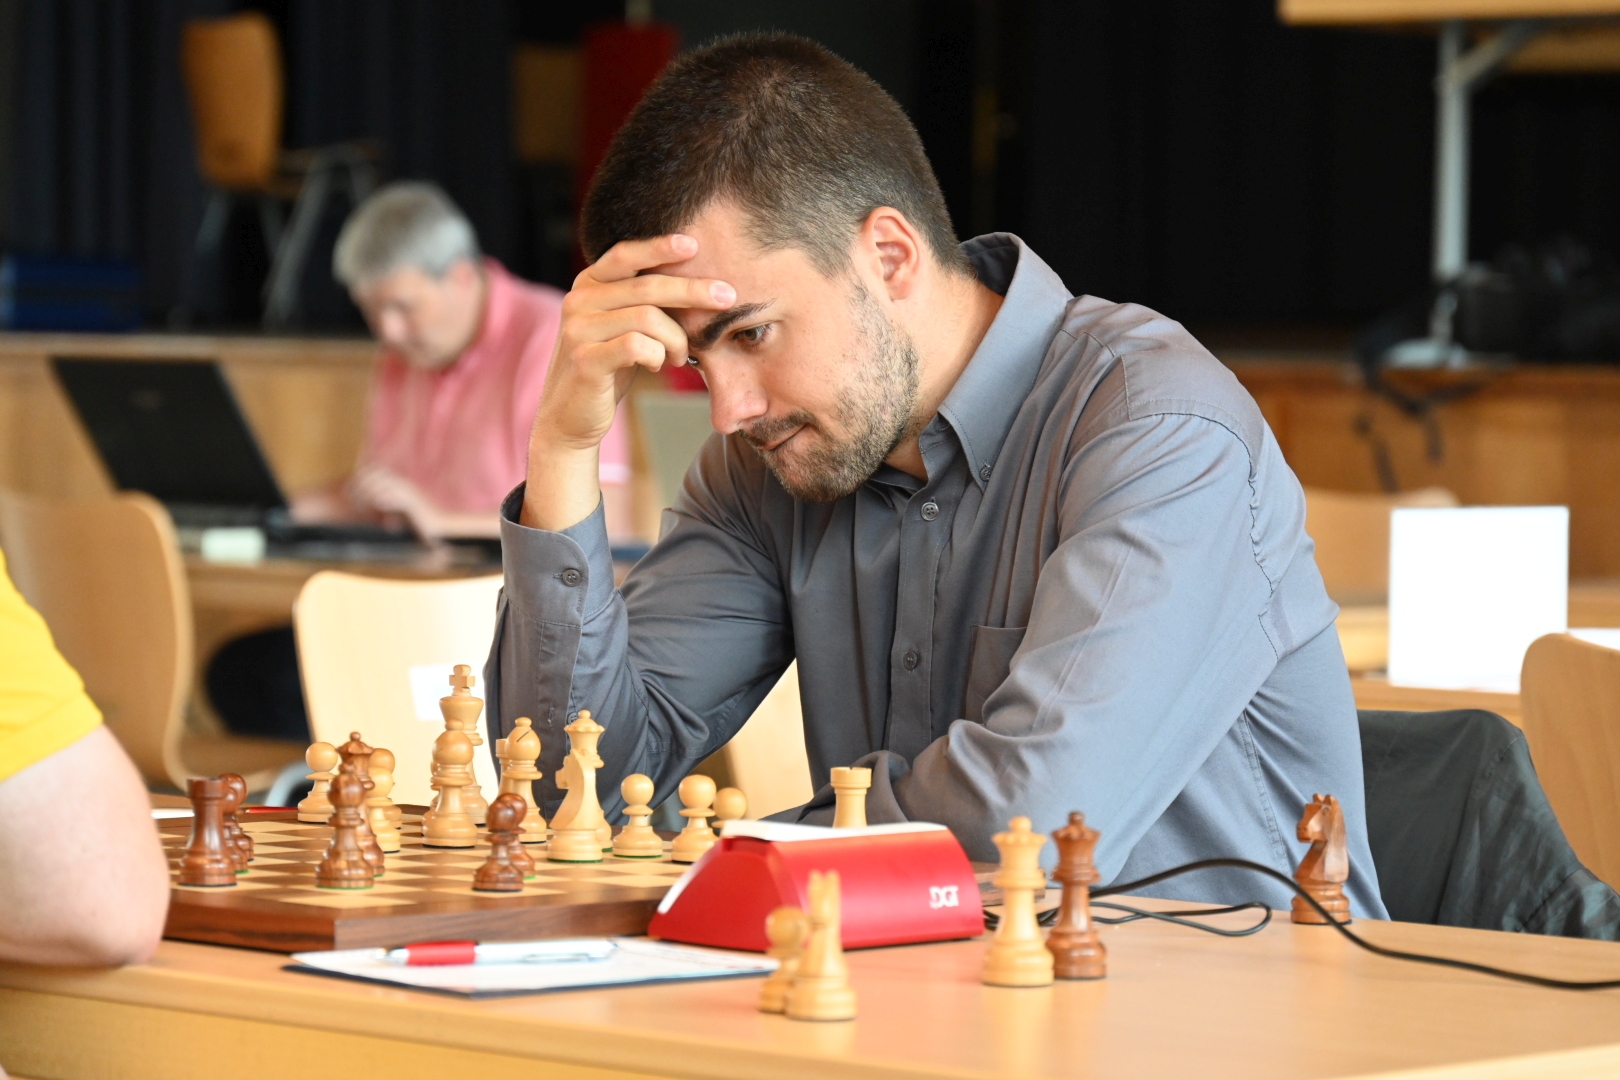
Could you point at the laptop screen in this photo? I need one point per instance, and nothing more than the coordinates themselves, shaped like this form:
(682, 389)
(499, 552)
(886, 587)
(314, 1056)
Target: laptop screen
(170, 428)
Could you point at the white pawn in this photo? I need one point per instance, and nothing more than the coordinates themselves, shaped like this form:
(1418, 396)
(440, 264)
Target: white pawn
(730, 804)
(449, 824)
(322, 758)
(378, 804)
(697, 796)
(637, 840)
(518, 753)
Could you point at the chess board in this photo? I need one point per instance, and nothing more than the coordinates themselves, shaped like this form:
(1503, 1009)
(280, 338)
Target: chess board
(425, 894)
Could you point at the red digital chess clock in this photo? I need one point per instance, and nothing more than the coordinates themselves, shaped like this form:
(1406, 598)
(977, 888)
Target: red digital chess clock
(900, 884)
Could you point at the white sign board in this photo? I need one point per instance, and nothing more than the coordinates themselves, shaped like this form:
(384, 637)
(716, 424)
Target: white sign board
(429, 683)
(1470, 589)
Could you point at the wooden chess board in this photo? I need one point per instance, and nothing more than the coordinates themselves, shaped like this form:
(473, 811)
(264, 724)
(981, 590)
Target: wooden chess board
(425, 894)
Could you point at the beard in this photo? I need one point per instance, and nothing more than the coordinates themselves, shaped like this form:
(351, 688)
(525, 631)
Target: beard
(875, 411)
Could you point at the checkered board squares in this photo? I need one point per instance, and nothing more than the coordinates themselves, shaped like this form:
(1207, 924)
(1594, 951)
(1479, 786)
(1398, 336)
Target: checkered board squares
(424, 894)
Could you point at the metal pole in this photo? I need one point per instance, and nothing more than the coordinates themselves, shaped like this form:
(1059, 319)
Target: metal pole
(1450, 173)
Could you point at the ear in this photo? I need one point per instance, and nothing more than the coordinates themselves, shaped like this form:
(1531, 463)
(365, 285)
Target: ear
(892, 250)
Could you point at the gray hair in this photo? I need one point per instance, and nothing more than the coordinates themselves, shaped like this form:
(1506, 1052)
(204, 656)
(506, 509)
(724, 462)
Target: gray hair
(408, 223)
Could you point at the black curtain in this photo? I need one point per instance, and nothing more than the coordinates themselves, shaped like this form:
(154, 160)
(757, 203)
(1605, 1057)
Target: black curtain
(1204, 159)
(99, 158)
(431, 80)
(1209, 161)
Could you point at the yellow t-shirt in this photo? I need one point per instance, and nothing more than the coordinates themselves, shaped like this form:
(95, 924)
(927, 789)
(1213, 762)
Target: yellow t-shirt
(43, 706)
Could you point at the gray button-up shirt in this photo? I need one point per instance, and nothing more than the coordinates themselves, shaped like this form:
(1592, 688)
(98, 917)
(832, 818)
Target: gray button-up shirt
(1101, 599)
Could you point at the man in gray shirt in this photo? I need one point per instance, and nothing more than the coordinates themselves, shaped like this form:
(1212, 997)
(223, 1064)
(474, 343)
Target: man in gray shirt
(1032, 552)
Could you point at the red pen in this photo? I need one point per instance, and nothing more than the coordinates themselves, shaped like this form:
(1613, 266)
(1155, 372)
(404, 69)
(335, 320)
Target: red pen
(564, 951)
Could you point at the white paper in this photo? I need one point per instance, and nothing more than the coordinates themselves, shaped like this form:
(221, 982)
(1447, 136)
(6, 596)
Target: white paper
(429, 683)
(1470, 588)
(1606, 636)
(635, 960)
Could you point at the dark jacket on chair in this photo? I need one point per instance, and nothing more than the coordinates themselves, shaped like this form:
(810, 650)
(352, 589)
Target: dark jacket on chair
(1462, 833)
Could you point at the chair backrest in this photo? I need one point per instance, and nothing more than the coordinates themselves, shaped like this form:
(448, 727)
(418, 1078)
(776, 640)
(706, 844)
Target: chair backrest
(767, 759)
(1351, 530)
(1570, 693)
(233, 74)
(376, 654)
(674, 426)
(107, 577)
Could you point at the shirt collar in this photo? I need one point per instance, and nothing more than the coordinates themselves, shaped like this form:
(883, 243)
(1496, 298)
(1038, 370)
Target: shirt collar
(981, 406)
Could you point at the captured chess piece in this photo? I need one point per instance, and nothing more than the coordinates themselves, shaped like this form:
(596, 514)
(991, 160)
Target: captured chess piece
(1077, 951)
(576, 828)
(460, 710)
(697, 796)
(1326, 867)
(499, 873)
(378, 804)
(730, 804)
(637, 840)
(1018, 956)
(322, 758)
(821, 989)
(236, 838)
(518, 753)
(786, 928)
(849, 785)
(210, 858)
(357, 759)
(447, 823)
(345, 865)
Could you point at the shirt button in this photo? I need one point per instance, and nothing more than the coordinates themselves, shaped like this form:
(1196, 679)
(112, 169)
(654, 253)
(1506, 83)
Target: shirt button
(570, 576)
(930, 510)
(911, 659)
(984, 472)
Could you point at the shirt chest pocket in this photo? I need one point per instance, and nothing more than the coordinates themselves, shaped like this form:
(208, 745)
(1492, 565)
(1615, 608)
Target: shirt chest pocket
(993, 648)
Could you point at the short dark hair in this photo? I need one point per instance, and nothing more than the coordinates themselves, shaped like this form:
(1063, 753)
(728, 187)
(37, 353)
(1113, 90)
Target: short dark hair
(805, 143)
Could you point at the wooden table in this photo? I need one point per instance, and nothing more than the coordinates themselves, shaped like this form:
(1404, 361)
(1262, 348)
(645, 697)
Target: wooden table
(1354, 12)
(1288, 1002)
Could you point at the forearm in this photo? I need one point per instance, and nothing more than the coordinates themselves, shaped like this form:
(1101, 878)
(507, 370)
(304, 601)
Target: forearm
(83, 879)
(563, 486)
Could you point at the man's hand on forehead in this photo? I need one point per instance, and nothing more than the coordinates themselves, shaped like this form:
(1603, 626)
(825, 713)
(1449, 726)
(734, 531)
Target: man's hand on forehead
(622, 299)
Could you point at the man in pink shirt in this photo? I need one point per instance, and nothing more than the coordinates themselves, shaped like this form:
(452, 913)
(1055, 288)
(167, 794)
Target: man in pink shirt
(465, 350)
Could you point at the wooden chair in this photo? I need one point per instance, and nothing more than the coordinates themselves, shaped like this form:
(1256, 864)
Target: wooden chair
(376, 654)
(767, 759)
(233, 75)
(1570, 692)
(1351, 530)
(107, 577)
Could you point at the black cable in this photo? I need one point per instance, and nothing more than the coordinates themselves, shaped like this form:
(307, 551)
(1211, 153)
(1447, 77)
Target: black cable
(1181, 918)
(1379, 950)
(1185, 918)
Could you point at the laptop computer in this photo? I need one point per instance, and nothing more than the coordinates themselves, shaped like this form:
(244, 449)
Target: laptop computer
(173, 429)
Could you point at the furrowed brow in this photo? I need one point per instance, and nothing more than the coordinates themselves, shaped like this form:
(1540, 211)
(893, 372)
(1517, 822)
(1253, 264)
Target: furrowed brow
(710, 332)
